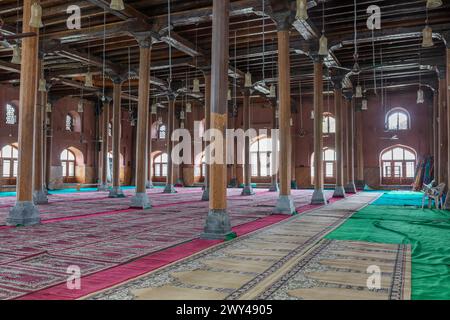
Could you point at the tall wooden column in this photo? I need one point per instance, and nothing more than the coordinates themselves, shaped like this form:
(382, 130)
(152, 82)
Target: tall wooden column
(339, 191)
(318, 195)
(248, 190)
(218, 224)
(447, 96)
(116, 190)
(140, 199)
(39, 195)
(104, 151)
(435, 125)
(350, 186)
(149, 183)
(274, 155)
(285, 205)
(48, 147)
(205, 195)
(359, 150)
(442, 126)
(24, 212)
(170, 127)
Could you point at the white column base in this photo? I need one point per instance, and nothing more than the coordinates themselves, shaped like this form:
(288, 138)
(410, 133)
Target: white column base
(285, 205)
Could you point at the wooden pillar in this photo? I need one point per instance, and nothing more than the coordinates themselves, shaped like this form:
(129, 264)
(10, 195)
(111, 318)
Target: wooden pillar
(40, 195)
(104, 151)
(248, 190)
(24, 212)
(339, 191)
(116, 190)
(141, 199)
(350, 187)
(285, 205)
(318, 195)
(274, 155)
(48, 148)
(218, 222)
(447, 99)
(442, 126)
(149, 183)
(435, 126)
(170, 127)
(293, 155)
(344, 112)
(205, 195)
(359, 150)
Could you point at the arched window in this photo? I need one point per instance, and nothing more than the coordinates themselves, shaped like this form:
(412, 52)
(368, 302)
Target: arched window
(200, 168)
(11, 117)
(260, 155)
(160, 165)
(398, 119)
(398, 165)
(329, 124)
(329, 165)
(69, 122)
(68, 164)
(9, 157)
(162, 131)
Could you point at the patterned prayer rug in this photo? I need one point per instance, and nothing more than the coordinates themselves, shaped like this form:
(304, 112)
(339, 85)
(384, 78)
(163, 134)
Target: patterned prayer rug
(288, 260)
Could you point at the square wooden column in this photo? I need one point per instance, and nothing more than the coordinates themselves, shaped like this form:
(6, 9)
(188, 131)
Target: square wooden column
(442, 126)
(339, 191)
(274, 156)
(140, 199)
(116, 190)
(24, 212)
(40, 194)
(104, 151)
(205, 195)
(350, 186)
(169, 188)
(149, 183)
(318, 195)
(447, 97)
(218, 224)
(248, 190)
(285, 204)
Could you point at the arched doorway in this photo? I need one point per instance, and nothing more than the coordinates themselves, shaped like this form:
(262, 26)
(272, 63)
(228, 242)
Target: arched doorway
(9, 160)
(329, 166)
(260, 158)
(68, 165)
(398, 165)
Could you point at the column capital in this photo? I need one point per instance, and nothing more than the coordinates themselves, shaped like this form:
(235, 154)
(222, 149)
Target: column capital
(144, 39)
(117, 79)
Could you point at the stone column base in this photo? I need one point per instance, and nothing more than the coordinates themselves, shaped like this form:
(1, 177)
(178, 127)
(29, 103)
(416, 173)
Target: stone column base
(169, 189)
(149, 184)
(319, 197)
(285, 205)
(205, 195)
(140, 201)
(217, 226)
(360, 184)
(274, 188)
(103, 187)
(339, 192)
(350, 188)
(40, 197)
(24, 213)
(116, 192)
(247, 191)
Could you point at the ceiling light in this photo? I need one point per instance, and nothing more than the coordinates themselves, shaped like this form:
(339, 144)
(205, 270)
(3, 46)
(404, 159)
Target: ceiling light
(427, 37)
(302, 10)
(248, 80)
(17, 55)
(358, 91)
(42, 85)
(88, 80)
(433, 4)
(420, 96)
(117, 5)
(273, 91)
(196, 87)
(36, 16)
(323, 46)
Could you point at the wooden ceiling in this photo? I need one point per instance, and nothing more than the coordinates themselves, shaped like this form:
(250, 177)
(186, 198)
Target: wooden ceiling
(105, 44)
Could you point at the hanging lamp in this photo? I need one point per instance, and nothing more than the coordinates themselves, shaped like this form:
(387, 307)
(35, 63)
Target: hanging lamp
(88, 80)
(420, 96)
(427, 33)
(80, 108)
(277, 114)
(323, 42)
(312, 115)
(302, 10)
(117, 5)
(273, 91)
(36, 16)
(17, 55)
(364, 104)
(48, 107)
(433, 4)
(182, 117)
(42, 85)
(359, 90)
(154, 108)
(248, 80)
(196, 86)
(188, 107)
(229, 95)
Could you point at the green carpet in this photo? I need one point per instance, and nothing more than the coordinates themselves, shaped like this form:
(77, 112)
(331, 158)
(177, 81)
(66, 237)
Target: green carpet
(428, 232)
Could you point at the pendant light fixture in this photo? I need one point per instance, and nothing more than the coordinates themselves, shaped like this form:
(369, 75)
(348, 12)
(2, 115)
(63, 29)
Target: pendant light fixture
(312, 114)
(117, 5)
(359, 90)
(248, 76)
(154, 108)
(229, 95)
(273, 91)
(420, 94)
(80, 108)
(433, 4)
(196, 86)
(364, 104)
(88, 80)
(248, 80)
(42, 85)
(36, 16)
(323, 42)
(302, 10)
(182, 125)
(277, 114)
(182, 115)
(188, 107)
(427, 33)
(17, 55)
(48, 107)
